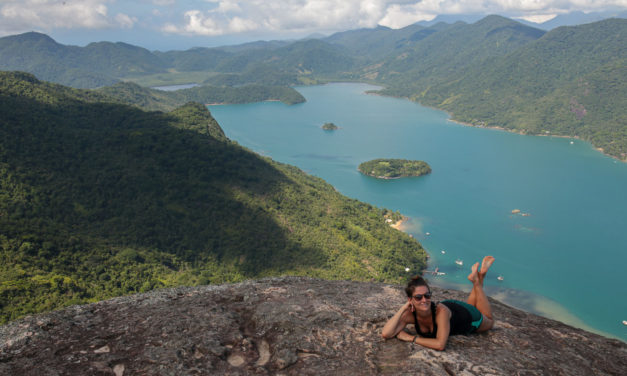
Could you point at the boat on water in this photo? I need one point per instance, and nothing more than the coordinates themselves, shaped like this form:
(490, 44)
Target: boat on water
(428, 233)
(624, 322)
(459, 262)
(500, 278)
(443, 251)
(435, 272)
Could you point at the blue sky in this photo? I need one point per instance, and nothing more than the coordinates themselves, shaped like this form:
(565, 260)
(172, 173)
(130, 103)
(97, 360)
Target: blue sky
(172, 24)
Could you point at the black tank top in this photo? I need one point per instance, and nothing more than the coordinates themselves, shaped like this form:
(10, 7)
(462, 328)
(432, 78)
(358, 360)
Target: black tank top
(460, 320)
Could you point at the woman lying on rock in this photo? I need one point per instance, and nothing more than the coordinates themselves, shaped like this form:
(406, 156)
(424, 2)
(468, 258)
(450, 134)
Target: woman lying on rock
(436, 322)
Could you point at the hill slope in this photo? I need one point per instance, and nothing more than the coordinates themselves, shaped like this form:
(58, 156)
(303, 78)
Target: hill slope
(569, 82)
(159, 100)
(446, 55)
(97, 64)
(99, 199)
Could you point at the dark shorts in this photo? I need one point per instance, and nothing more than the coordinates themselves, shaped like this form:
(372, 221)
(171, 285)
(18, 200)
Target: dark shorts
(476, 318)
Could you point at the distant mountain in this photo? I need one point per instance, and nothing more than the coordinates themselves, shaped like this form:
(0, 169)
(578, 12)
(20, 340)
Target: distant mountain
(579, 18)
(39, 54)
(568, 19)
(571, 82)
(380, 42)
(449, 51)
(452, 18)
(97, 64)
(105, 63)
(100, 199)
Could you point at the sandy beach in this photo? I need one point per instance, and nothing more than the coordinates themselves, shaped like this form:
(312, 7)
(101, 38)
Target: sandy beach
(399, 224)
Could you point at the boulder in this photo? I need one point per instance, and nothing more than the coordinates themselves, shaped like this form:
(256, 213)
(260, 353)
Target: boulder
(289, 326)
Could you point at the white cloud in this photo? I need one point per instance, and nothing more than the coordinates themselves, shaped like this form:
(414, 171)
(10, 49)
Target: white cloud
(164, 2)
(20, 15)
(233, 16)
(221, 17)
(125, 21)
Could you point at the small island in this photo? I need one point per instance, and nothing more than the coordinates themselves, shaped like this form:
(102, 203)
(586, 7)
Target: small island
(329, 127)
(394, 168)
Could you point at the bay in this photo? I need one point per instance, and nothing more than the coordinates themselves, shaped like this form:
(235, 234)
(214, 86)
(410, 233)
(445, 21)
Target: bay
(565, 259)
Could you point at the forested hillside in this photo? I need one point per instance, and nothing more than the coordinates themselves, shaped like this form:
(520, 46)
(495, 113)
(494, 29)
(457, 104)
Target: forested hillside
(99, 199)
(97, 64)
(446, 55)
(159, 100)
(571, 82)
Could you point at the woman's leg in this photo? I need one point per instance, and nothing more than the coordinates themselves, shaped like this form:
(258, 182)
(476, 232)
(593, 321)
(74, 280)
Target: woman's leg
(472, 298)
(477, 296)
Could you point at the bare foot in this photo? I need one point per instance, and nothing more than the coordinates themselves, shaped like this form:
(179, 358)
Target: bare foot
(485, 264)
(474, 276)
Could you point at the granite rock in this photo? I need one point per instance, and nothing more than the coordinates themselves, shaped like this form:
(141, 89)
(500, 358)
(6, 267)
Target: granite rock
(287, 326)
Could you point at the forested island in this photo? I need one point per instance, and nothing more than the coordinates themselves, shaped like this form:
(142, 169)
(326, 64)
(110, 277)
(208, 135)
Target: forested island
(394, 168)
(330, 127)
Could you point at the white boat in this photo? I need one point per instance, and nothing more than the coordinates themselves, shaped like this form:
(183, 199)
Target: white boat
(428, 233)
(624, 322)
(500, 278)
(443, 251)
(459, 262)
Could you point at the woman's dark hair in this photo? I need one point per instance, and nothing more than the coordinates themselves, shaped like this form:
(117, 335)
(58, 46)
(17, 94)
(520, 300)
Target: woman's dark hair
(415, 282)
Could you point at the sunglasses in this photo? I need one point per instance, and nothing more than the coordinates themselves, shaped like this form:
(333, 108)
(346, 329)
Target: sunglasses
(419, 297)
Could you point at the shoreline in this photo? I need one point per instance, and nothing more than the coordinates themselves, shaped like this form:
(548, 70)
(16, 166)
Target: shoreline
(496, 127)
(399, 224)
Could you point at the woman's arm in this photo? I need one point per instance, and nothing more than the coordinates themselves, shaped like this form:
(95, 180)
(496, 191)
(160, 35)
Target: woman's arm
(443, 319)
(396, 323)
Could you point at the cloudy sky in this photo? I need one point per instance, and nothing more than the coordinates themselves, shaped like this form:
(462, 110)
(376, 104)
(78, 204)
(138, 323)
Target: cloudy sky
(174, 24)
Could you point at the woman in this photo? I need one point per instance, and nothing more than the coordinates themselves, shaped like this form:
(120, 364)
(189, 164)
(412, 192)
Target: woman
(435, 322)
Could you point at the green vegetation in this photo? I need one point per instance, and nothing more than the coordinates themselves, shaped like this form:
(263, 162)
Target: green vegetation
(329, 127)
(494, 72)
(394, 168)
(100, 199)
(569, 82)
(159, 100)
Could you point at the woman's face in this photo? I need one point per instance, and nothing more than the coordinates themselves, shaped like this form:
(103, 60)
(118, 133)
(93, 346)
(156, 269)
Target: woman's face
(424, 304)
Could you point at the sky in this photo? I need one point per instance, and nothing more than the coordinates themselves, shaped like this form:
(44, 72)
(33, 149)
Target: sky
(177, 25)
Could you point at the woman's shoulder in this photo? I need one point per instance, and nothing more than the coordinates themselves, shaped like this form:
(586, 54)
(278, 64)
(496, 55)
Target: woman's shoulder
(408, 317)
(442, 309)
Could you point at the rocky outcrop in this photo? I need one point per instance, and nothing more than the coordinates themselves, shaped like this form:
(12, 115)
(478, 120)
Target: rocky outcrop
(290, 326)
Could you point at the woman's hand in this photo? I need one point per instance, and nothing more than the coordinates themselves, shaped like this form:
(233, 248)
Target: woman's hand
(396, 323)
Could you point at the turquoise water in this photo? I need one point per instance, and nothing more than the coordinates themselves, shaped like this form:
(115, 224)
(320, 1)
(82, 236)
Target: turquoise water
(567, 259)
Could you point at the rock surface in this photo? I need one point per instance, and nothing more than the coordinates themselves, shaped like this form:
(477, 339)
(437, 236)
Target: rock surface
(289, 326)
